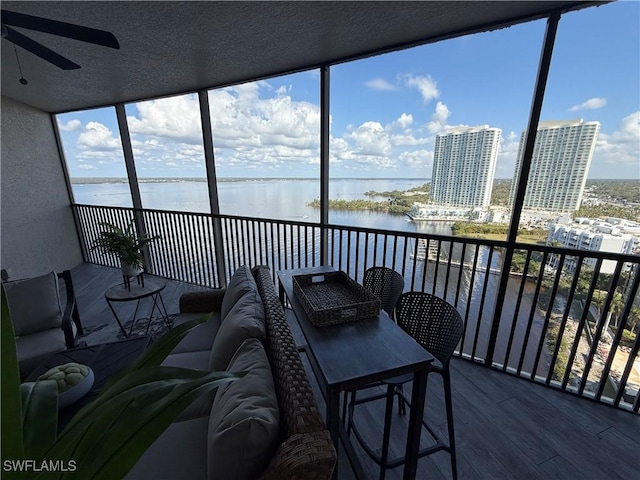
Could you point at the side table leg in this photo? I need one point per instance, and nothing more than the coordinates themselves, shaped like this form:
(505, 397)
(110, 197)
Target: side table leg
(133, 320)
(117, 319)
(166, 315)
(162, 310)
(154, 298)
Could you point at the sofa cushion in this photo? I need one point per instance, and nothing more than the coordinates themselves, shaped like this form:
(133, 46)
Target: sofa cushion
(241, 283)
(244, 420)
(245, 320)
(201, 337)
(179, 452)
(29, 316)
(194, 360)
(199, 360)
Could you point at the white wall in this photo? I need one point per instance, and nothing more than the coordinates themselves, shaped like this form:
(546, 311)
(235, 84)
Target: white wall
(37, 233)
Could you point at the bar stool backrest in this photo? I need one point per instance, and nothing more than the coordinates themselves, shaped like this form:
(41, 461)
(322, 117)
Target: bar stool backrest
(432, 322)
(386, 284)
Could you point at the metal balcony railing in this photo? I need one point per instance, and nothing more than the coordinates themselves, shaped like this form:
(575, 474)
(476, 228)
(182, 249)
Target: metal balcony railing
(562, 314)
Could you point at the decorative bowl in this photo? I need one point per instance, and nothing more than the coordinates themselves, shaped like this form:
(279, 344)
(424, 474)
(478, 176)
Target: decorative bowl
(74, 382)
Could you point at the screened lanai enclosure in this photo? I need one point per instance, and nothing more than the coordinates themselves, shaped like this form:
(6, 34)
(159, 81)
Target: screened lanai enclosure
(256, 133)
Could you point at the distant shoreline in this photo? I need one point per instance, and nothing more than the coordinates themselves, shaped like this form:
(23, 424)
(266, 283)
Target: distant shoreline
(95, 180)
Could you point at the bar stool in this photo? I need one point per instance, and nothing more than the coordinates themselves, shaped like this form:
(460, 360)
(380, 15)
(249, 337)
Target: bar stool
(386, 284)
(437, 326)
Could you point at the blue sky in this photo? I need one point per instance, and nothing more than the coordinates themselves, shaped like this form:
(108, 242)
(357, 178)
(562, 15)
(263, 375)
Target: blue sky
(386, 110)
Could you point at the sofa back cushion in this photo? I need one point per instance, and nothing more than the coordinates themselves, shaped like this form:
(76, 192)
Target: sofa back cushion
(34, 304)
(245, 320)
(244, 420)
(241, 283)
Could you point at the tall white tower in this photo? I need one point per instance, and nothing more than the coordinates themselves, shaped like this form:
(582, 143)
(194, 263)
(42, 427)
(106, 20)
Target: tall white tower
(561, 159)
(464, 165)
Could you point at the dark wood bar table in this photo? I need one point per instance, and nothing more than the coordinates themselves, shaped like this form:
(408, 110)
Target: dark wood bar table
(355, 354)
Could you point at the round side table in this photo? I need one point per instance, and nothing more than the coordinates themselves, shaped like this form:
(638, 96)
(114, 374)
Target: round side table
(152, 288)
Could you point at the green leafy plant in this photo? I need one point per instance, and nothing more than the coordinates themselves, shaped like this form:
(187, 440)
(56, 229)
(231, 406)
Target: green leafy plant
(105, 439)
(124, 243)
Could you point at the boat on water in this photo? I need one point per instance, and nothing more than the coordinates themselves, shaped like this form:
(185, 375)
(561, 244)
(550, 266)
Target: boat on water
(436, 213)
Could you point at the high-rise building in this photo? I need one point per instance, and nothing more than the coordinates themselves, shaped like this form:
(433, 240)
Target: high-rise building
(561, 158)
(464, 165)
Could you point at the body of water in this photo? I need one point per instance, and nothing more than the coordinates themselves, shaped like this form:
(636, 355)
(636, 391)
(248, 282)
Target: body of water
(285, 199)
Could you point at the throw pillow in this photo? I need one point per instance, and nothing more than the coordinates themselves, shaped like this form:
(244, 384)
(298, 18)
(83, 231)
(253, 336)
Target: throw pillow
(245, 320)
(34, 304)
(245, 420)
(241, 283)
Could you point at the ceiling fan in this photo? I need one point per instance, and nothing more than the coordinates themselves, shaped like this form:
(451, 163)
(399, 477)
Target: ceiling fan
(54, 27)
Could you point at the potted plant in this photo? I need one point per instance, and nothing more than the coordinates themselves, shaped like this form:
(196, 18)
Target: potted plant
(126, 244)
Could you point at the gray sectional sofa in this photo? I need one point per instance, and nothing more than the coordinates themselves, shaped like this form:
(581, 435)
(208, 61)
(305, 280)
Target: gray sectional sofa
(265, 425)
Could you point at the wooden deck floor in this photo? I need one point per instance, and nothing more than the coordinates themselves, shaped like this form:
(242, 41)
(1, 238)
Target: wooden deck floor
(506, 428)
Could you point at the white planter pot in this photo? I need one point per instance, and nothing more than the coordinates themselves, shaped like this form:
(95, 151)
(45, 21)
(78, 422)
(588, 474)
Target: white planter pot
(129, 270)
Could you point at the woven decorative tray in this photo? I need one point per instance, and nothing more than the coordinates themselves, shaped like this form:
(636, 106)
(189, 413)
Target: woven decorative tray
(332, 298)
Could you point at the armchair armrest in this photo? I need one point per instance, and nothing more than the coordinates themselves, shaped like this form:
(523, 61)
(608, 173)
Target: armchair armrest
(202, 302)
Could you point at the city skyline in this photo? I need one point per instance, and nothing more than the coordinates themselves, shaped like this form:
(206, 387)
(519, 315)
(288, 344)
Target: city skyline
(387, 110)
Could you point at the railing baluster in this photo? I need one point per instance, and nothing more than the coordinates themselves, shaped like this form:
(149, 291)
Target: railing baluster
(404, 257)
(436, 267)
(460, 272)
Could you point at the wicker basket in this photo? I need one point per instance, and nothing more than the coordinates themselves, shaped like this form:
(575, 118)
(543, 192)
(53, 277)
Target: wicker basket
(332, 298)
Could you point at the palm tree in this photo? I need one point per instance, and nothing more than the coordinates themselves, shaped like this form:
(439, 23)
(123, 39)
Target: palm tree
(600, 298)
(634, 316)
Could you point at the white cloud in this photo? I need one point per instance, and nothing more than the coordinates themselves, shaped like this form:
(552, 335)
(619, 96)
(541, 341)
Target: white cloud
(98, 137)
(407, 139)
(241, 118)
(70, 126)
(380, 84)
(590, 104)
(417, 159)
(427, 87)
(620, 149)
(439, 118)
(403, 120)
(176, 118)
(371, 139)
(507, 155)
(629, 129)
(253, 124)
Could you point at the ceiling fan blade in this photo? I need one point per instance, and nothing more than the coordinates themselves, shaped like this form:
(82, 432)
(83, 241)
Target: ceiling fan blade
(62, 29)
(39, 50)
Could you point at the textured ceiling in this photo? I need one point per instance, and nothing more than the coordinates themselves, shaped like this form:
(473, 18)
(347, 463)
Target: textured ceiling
(176, 47)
